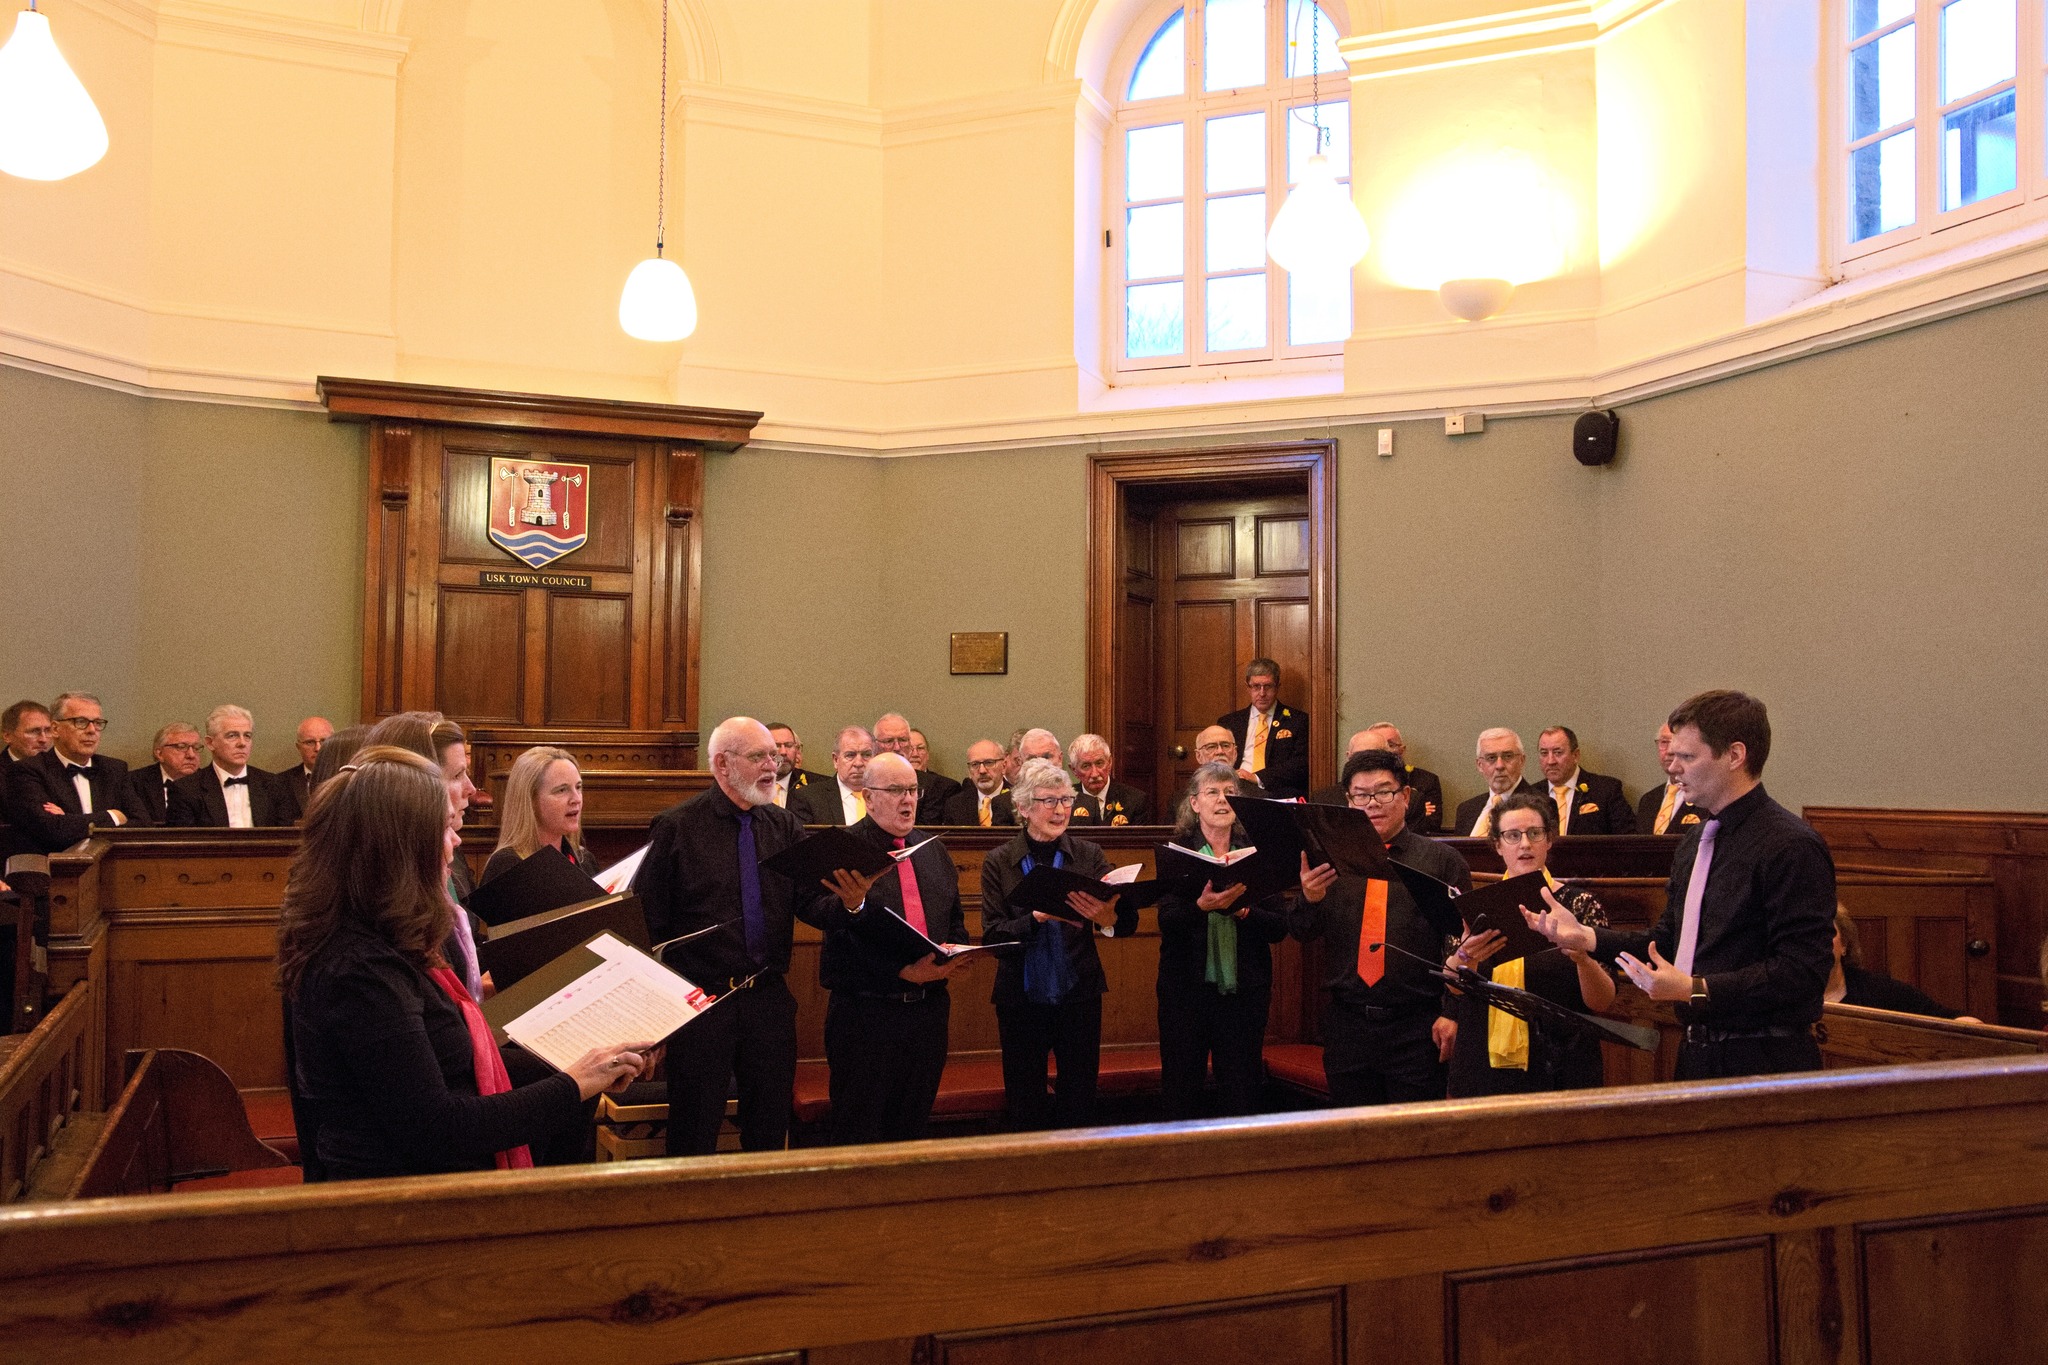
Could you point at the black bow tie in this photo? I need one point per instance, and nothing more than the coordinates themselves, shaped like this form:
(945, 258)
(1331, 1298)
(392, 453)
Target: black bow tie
(74, 770)
(241, 781)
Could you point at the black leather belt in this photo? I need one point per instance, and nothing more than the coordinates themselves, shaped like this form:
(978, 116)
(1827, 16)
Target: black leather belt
(1705, 1035)
(897, 997)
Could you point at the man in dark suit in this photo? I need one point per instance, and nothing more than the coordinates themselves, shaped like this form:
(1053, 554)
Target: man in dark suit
(1425, 789)
(1501, 759)
(179, 751)
(790, 773)
(1587, 803)
(1102, 800)
(893, 736)
(841, 800)
(1271, 735)
(25, 731)
(984, 799)
(227, 793)
(1664, 809)
(314, 731)
(62, 794)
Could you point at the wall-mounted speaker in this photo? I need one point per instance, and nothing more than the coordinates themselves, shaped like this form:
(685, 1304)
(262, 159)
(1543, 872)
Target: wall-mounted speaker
(1593, 437)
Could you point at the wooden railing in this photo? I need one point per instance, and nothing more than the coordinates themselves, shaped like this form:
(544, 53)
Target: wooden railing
(43, 1086)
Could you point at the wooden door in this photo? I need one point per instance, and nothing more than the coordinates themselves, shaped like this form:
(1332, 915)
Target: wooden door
(1233, 585)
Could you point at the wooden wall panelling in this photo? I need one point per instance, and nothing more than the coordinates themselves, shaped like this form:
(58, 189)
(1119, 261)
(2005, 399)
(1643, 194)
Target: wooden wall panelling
(1945, 1289)
(678, 557)
(1299, 1329)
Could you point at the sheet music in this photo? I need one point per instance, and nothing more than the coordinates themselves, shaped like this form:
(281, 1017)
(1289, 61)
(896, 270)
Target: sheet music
(619, 875)
(630, 998)
(1123, 876)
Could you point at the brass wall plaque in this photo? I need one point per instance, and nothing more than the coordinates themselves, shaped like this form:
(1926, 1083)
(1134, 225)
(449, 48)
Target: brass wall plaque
(981, 651)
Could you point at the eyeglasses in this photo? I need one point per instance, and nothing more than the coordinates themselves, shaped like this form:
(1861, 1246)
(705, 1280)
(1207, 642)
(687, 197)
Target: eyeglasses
(1378, 796)
(82, 723)
(1203, 750)
(893, 791)
(984, 763)
(1054, 802)
(1523, 836)
(1495, 760)
(192, 748)
(755, 755)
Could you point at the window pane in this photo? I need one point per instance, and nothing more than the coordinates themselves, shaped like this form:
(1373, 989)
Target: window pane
(1318, 307)
(1153, 162)
(1237, 312)
(1979, 45)
(1152, 241)
(1233, 44)
(1978, 156)
(1881, 186)
(1335, 116)
(1235, 153)
(1881, 81)
(1236, 234)
(1868, 15)
(1152, 320)
(1163, 70)
(1305, 29)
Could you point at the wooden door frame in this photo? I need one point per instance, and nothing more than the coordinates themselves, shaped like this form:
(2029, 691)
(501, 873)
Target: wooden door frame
(1196, 473)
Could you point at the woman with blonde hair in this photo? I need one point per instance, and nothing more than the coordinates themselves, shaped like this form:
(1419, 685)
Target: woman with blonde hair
(543, 806)
(393, 1058)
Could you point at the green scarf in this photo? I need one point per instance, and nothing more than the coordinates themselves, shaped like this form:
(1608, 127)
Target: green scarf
(1220, 970)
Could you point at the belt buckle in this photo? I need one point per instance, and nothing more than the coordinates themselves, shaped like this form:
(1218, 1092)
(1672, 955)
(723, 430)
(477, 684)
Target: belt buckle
(1697, 1035)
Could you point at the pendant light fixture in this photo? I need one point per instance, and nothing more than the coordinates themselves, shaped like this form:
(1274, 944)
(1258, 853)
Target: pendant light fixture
(1318, 230)
(657, 303)
(49, 127)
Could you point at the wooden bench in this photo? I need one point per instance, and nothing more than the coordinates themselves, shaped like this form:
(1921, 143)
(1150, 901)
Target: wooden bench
(178, 1124)
(42, 1088)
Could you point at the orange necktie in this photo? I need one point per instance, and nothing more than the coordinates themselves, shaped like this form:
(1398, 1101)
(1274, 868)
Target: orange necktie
(1372, 930)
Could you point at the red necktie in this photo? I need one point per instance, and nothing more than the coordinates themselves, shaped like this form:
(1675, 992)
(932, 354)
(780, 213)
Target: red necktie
(1372, 932)
(913, 899)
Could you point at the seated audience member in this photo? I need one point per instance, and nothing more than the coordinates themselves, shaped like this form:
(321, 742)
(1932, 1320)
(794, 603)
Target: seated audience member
(25, 731)
(340, 747)
(543, 806)
(1102, 799)
(984, 799)
(843, 800)
(1335, 795)
(1495, 1052)
(1013, 757)
(179, 751)
(1215, 964)
(893, 736)
(1425, 788)
(886, 1026)
(1272, 736)
(1500, 760)
(391, 1051)
(59, 796)
(920, 751)
(1039, 744)
(1048, 998)
(1385, 1036)
(1851, 983)
(433, 736)
(227, 793)
(1215, 744)
(1587, 803)
(1665, 809)
(313, 732)
(790, 774)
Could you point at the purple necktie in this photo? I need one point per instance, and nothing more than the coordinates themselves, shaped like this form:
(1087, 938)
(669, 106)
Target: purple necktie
(1695, 892)
(750, 892)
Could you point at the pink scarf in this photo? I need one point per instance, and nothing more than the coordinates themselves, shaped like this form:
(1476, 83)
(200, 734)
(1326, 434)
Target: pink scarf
(491, 1076)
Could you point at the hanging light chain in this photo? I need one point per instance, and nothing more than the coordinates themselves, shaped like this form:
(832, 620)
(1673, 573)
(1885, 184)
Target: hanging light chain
(661, 172)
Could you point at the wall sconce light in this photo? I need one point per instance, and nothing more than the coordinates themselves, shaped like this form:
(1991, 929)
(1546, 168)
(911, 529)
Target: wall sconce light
(1475, 299)
(49, 127)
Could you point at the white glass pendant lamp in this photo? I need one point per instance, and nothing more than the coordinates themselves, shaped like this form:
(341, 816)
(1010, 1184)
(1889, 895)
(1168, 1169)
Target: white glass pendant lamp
(1318, 229)
(49, 126)
(658, 303)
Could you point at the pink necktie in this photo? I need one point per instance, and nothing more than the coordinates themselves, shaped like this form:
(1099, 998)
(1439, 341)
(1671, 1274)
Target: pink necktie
(913, 899)
(1695, 892)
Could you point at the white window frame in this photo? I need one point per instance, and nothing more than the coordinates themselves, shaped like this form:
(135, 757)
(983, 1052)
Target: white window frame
(1934, 228)
(1191, 109)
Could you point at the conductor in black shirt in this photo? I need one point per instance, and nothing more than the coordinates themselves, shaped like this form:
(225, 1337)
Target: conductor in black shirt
(1743, 946)
(886, 1025)
(702, 872)
(1386, 1032)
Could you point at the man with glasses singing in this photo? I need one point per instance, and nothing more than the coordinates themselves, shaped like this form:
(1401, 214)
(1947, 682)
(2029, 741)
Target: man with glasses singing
(227, 793)
(179, 751)
(886, 1026)
(702, 872)
(984, 798)
(61, 794)
(843, 801)
(1501, 759)
(1386, 1030)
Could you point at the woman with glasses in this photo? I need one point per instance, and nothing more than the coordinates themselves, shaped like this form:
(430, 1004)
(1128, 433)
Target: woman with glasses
(543, 806)
(1215, 963)
(1496, 1053)
(1048, 998)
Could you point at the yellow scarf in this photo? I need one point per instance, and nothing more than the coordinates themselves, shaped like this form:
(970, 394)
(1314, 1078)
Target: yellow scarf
(1507, 1038)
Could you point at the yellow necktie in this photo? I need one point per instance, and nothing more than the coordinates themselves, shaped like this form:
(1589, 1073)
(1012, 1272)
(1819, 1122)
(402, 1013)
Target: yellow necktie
(1255, 753)
(1483, 826)
(1561, 797)
(987, 815)
(1667, 810)
(860, 807)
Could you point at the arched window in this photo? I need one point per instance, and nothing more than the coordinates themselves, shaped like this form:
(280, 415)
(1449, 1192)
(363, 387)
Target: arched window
(1215, 116)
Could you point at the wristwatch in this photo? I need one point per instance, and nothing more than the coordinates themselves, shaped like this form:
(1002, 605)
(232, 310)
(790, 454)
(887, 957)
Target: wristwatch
(1699, 990)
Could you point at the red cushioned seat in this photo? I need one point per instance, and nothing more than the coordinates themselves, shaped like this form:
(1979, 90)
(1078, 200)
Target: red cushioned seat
(813, 1098)
(1128, 1071)
(972, 1087)
(270, 1119)
(1297, 1064)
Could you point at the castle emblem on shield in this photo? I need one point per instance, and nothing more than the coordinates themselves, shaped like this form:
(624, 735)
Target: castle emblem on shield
(539, 508)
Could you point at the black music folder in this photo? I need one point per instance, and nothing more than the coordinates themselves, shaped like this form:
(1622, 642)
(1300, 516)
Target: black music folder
(1184, 872)
(517, 949)
(1338, 835)
(543, 880)
(889, 933)
(815, 857)
(1499, 906)
(1045, 889)
(1547, 1016)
